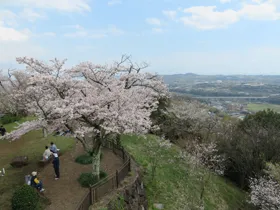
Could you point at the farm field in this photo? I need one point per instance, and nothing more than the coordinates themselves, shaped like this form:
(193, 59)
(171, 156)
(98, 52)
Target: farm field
(260, 107)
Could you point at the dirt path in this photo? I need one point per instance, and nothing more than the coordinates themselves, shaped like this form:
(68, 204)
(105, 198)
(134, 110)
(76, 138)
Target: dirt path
(66, 192)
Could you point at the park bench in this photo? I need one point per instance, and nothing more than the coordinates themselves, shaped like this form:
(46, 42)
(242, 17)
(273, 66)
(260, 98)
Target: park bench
(19, 161)
(43, 163)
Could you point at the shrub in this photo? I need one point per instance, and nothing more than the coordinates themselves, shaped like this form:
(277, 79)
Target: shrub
(88, 179)
(249, 145)
(9, 118)
(25, 198)
(85, 159)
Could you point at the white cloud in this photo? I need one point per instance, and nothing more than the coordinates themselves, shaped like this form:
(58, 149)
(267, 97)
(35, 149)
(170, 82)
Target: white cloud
(157, 30)
(75, 34)
(260, 11)
(63, 5)
(10, 50)
(114, 2)
(8, 17)
(153, 21)
(225, 1)
(84, 48)
(11, 34)
(30, 15)
(77, 26)
(50, 34)
(10, 21)
(170, 14)
(112, 30)
(206, 17)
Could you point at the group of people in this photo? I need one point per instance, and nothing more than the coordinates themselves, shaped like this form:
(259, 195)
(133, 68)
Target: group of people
(2, 130)
(59, 132)
(49, 151)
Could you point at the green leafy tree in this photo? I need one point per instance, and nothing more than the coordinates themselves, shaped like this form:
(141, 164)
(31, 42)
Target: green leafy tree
(250, 144)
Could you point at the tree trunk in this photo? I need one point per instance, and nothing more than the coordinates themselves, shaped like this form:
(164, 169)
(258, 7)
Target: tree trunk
(45, 132)
(118, 139)
(96, 162)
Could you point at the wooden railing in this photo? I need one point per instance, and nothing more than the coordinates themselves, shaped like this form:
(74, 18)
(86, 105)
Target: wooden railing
(111, 182)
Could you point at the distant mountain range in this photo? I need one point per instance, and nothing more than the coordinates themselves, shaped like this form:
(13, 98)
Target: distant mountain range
(191, 78)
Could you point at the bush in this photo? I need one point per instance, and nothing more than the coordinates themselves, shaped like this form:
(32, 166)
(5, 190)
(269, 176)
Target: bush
(249, 145)
(25, 198)
(88, 179)
(9, 118)
(85, 159)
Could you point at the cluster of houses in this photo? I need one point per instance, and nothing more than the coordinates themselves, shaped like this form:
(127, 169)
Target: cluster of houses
(237, 110)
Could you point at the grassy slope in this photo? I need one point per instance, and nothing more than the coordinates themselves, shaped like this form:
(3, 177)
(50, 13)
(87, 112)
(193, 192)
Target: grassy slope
(175, 187)
(11, 126)
(260, 107)
(32, 144)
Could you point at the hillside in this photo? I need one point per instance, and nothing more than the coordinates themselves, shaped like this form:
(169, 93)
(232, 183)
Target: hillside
(191, 77)
(176, 186)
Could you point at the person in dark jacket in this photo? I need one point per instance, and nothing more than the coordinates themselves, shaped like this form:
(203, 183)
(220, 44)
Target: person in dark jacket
(2, 130)
(56, 166)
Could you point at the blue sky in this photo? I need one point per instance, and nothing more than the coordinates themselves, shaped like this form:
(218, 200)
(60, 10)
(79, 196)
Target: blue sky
(173, 36)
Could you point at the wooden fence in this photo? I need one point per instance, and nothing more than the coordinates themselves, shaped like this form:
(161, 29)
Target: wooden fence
(111, 182)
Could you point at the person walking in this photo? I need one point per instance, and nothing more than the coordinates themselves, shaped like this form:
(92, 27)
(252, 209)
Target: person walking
(56, 166)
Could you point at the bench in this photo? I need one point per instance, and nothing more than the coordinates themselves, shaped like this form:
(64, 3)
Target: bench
(43, 163)
(19, 161)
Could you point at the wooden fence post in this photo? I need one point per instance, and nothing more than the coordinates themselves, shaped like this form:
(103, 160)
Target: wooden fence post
(113, 146)
(117, 178)
(91, 196)
(122, 153)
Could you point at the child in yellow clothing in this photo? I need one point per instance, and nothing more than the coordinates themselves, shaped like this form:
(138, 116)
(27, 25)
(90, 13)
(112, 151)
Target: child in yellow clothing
(35, 182)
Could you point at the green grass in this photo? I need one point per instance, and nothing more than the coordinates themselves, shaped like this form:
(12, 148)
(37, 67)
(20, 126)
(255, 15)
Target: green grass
(260, 107)
(12, 126)
(176, 186)
(32, 145)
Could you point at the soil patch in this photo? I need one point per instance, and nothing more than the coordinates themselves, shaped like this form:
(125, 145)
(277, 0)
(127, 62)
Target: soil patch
(66, 192)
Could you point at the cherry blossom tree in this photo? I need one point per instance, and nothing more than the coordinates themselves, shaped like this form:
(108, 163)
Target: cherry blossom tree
(92, 101)
(188, 120)
(265, 193)
(10, 85)
(155, 151)
(206, 155)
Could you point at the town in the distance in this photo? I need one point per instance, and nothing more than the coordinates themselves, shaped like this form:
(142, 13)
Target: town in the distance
(234, 95)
